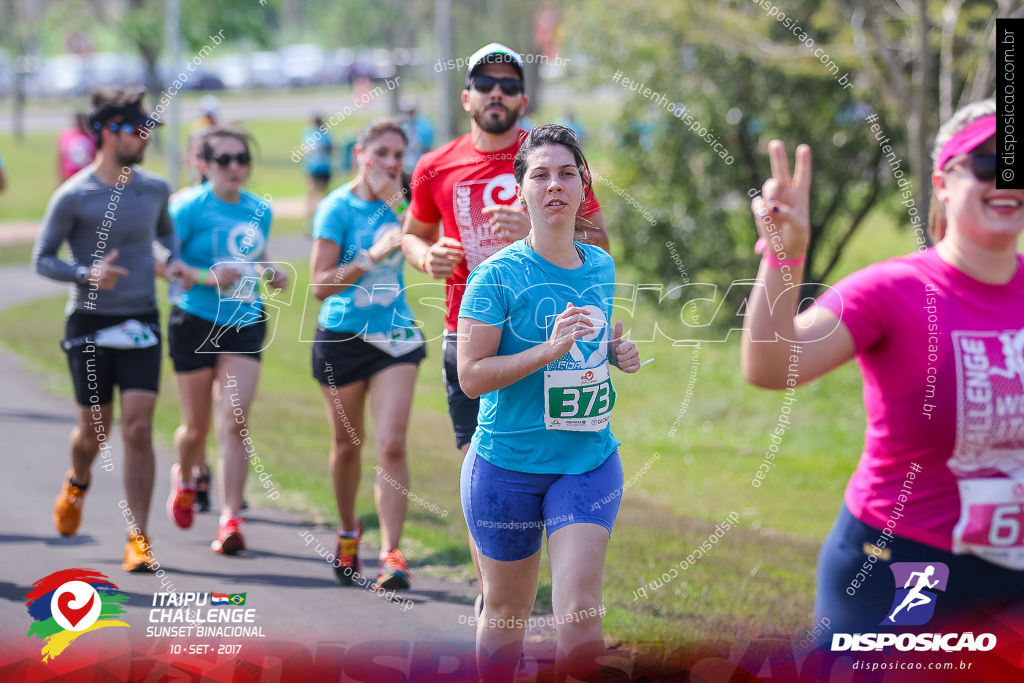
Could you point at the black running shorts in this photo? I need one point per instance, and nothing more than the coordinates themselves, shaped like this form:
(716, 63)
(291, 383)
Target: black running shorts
(95, 370)
(196, 343)
(341, 358)
(461, 408)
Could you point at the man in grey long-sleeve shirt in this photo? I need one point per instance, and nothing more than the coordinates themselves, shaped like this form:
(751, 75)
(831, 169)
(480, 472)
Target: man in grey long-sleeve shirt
(95, 218)
(110, 213)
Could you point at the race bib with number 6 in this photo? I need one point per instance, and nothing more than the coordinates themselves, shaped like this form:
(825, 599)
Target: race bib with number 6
(578, 400)
(991, 522)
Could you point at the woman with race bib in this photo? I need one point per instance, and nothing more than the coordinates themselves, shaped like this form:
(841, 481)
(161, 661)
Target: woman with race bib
(366, 344)
(217, 328)
(535, 344)
(939, 338)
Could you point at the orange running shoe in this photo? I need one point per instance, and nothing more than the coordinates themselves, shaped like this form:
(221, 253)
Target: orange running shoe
(138, 554)
(67, 509)
(394, 572)
(346, 563)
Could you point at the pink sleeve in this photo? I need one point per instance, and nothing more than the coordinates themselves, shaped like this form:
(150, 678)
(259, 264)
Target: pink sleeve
(858, 301)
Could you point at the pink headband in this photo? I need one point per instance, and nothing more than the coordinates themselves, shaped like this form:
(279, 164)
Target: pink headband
(966, 139)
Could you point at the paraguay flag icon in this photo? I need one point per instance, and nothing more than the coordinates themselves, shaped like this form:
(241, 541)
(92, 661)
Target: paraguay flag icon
(69, 603)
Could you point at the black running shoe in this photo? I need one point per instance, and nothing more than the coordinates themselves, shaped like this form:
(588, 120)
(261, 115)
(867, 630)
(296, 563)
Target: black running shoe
(202, 498)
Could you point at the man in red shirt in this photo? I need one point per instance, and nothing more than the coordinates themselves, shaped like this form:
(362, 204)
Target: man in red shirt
(467, 187)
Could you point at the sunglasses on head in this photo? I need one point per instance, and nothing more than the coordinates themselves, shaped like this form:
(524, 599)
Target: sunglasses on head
(983, 166)
(485, 84)
(224, 160)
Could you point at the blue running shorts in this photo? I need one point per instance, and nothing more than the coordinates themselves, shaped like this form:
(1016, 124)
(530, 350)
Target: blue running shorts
(507, 510)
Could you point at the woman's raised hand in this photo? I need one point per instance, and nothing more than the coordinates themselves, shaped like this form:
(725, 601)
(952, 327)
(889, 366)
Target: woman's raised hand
(782, 211)
(386, 244)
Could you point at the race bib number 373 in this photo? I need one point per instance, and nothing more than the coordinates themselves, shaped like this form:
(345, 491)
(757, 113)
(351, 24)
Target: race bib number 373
(578, 400)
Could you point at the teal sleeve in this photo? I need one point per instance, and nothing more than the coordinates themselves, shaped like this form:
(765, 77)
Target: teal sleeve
(181, 216)
(486, 297)
(326, 219)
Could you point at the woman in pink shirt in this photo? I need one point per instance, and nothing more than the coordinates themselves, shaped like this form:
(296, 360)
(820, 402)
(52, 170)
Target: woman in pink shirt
(75, 148)
(931, 529)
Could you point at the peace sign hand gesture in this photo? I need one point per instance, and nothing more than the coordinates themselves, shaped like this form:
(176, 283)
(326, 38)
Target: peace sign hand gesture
(781, 212)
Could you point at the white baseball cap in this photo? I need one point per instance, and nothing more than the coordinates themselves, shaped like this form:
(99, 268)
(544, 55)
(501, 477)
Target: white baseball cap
(494, 53)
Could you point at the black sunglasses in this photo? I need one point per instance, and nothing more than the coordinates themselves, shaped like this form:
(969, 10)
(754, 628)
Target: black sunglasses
(485, 84)
(983, 166)
(224, 160)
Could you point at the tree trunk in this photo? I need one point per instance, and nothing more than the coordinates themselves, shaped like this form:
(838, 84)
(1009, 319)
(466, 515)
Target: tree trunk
(950, 17)
(18, 106)
(917, 125)
(153, 85)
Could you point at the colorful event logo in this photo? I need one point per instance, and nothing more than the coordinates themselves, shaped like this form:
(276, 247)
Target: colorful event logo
(69, 603)
(914, 604)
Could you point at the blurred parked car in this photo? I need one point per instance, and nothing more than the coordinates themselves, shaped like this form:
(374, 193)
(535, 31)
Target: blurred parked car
(265, 70)
(338, 70)
(61, 75)
(6, 73)
(231, 69)
(113, 69)
(204, 80)
(303, 65)
(383, 65)
(73, 75)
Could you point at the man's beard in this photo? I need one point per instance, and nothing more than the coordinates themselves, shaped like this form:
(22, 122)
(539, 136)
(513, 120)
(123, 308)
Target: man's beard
(126, 159)
(492, 125)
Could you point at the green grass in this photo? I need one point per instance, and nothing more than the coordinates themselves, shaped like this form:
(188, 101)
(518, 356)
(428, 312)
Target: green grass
(758, 580)
(15, 253)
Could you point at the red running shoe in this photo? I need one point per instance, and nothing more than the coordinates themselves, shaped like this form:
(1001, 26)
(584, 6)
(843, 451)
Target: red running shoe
(229, 539)
(179, 502)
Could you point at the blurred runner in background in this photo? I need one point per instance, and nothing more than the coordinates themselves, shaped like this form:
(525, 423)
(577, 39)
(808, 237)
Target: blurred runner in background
(316, 162)
(419, 130)
(75, 147)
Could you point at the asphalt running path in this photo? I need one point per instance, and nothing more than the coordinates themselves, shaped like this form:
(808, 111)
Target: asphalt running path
(291, 588)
